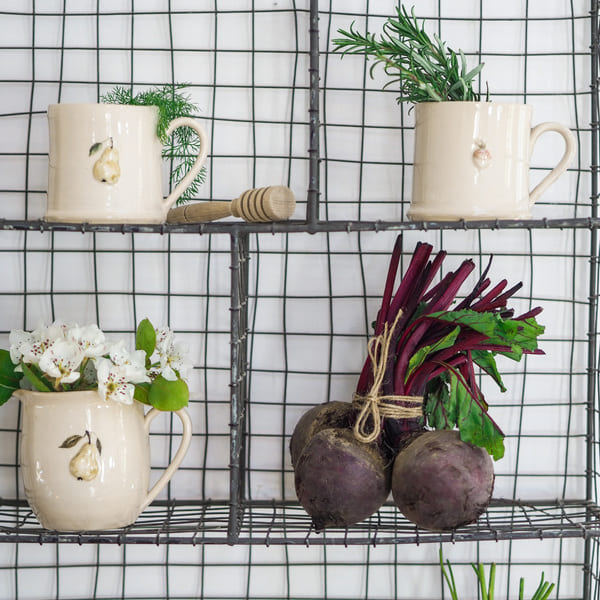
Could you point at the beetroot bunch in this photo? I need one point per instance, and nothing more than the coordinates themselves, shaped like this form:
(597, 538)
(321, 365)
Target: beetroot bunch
(428, 350)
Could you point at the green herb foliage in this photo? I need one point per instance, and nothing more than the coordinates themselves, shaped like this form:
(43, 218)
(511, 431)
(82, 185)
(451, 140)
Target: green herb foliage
(451, 401)
(182, 147)
(9, 378)
(426, 69)
(486, 588)
(161, 393)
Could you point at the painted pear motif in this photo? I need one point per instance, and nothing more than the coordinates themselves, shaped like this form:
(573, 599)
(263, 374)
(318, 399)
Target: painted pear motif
(106, 169)
(85, 465)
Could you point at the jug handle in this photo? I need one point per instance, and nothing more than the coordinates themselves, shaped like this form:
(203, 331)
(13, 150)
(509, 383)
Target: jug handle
(186, 438)
(198, 163)
(561, 167)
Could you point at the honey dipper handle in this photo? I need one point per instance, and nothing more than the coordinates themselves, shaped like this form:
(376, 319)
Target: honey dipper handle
(199, 212)
(273, 203)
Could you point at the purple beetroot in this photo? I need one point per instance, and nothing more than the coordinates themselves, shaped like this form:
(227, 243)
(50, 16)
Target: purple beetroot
(339, 480)
(440, 482)
(336, 415)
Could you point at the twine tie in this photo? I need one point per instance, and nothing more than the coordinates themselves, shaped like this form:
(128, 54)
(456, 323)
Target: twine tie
(375, 406)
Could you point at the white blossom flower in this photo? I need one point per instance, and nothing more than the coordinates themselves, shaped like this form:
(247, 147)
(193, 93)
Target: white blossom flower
(67, 353)
(60, 360)
(164, 339)
(57, 330)
(90, 339)
(29, 347)
(173, 357)
(113, 382)
(20, 342)
(132, 363)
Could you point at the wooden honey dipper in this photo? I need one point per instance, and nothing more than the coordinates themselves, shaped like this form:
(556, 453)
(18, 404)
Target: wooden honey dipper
(259, 205)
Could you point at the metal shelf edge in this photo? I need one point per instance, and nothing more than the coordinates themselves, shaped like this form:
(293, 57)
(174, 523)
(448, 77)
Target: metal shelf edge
(298, 226)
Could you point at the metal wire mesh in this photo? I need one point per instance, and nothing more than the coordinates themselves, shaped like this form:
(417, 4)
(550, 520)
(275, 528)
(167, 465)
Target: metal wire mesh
(277, 319)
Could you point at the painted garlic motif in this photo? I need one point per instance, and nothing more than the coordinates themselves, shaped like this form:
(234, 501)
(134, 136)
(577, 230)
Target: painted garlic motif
(482, 157)
(84, 466)
(106, 169)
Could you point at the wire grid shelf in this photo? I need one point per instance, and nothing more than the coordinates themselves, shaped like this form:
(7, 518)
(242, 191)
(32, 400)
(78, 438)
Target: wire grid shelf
(276, 523)
(352, 221)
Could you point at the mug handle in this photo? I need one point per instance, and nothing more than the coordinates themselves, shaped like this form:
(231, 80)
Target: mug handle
(186, 438)
(561, 167)
(193, 172)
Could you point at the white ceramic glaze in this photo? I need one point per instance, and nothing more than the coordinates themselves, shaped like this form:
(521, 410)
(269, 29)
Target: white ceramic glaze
(115, 491)
(472, 160)
(104, 164)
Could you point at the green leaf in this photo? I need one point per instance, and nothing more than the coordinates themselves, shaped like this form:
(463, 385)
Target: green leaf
(487, 591)
(448, 576)
(145, 337)
(527, 333)
(486, 361)
(515, 353)
(71, 441)
(440, 411)
(463, 62)
(168, 395)
(515, 334)
(418, 358)
(7, 368)
(473, 72)
(141, 392)
(35, 377)
(489, 324)
(449, 405)
(474, 424)
(9, 379)
(95, 148)
(6, 393)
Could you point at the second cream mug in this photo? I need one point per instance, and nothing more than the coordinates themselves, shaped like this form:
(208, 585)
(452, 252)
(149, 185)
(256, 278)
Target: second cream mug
(472, 160)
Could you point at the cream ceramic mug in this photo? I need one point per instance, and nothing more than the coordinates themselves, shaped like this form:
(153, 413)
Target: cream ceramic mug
(472, 161)
(104, 164)
(85, 461)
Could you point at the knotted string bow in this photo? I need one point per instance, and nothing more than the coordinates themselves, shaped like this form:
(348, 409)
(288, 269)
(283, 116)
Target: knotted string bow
(374, 407)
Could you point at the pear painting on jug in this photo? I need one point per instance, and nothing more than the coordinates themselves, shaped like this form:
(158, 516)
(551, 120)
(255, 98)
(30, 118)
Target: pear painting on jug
(106, 169)
(84, 466)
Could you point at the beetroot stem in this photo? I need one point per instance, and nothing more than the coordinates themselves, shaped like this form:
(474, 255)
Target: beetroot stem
(389, 285)
(363, 380)
(410, 340)
(414, 273)
(417, 270)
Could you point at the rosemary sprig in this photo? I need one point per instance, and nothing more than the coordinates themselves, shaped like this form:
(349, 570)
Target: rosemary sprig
(182, 147)
(426, 69)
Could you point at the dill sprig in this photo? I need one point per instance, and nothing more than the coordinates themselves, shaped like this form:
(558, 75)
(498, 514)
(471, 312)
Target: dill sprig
(426, 69)
(182, 147)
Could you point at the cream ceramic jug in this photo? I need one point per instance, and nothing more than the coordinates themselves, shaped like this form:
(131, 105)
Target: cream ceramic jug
(104, 164)
(85, 461)
(472, 160)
